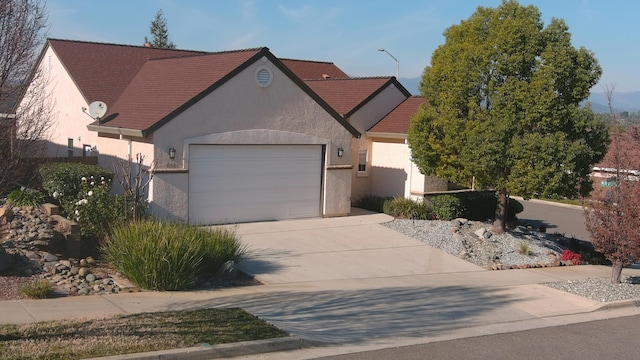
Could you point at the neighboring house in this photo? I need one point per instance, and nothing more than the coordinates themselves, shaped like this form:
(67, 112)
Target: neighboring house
(394, 173)
(236, 136)
(626, 156)
(363, 102)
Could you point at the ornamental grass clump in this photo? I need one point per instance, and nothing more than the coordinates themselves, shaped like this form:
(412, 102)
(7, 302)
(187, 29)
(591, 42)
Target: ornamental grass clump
(40, 289)
(26, 197)
(159, 255)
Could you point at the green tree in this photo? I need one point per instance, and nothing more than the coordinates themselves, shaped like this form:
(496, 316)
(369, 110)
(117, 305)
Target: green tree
(504, 108)
(159, 33)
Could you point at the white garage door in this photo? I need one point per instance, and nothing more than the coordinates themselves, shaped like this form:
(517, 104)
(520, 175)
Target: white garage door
(243, 183)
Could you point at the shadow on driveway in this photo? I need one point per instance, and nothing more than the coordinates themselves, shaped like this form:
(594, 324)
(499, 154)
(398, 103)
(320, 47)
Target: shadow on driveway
(349, 316)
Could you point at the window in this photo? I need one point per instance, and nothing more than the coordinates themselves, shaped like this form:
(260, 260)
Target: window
(86, 150)
(362, 162)
(70, 147)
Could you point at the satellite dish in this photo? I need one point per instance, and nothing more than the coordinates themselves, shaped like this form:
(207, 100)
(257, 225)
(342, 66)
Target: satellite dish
(97, 109)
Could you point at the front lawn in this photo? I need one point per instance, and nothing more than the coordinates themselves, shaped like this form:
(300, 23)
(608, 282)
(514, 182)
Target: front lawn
(126, 334)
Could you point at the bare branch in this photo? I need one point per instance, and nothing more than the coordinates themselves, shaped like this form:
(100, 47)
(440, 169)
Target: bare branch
(25, 111)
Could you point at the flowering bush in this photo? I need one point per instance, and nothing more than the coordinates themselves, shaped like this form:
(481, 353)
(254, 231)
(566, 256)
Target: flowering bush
(94, 208)
(84, 194)
(63, 179)
(568, 255)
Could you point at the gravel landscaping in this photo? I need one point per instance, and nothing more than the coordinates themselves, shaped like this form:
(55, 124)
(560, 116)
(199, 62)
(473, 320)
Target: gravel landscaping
(474, 242)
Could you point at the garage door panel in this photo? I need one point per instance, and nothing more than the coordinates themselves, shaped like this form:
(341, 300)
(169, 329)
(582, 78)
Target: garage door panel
(238, 183)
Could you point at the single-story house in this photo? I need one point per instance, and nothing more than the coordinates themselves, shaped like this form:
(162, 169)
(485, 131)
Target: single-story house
(236, 136)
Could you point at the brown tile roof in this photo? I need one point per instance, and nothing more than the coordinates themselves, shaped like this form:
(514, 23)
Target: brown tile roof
(399, 119)
(306, 69)
(348, 95)
(102, 71)
(127, 78)
(149, 98)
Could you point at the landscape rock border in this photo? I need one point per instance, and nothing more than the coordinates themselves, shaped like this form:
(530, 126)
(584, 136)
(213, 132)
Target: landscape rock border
(39, 242)
(476, 237)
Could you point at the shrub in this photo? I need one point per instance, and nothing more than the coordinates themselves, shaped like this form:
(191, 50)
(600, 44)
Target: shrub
(84, 193)
(524, 248)
(404, 208)
(26, 197)
(169, 256)
(40, 289)
(63, 179)
(568, 255)
(481, 205)
(371, 202)
(446, 207)
(95, 209)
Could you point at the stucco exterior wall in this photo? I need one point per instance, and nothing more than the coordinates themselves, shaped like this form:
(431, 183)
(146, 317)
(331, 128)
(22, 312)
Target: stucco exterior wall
(375, 109)
(241, 112)
(68, 120)
(173, 204)
(337, 179)
(391, 168)
(363, 119)
(360, 182)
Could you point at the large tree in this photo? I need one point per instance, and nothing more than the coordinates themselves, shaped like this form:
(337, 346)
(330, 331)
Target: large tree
(25, 112)
(504, 108)
(159, 33)
(612, 213)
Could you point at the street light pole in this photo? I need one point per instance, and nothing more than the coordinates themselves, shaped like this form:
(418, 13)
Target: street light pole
(397, 63)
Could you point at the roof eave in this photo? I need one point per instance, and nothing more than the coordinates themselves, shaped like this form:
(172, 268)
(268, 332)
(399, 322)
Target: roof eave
(386, 135)
(115, 130)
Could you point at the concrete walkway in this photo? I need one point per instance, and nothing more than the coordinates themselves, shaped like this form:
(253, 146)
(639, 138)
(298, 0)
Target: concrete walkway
(354, 282)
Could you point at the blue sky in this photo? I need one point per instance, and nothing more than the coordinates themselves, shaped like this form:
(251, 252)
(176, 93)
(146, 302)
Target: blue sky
(346, 32)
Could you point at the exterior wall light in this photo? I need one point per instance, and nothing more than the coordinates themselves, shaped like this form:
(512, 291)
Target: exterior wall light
(172, 153)
(340, 151)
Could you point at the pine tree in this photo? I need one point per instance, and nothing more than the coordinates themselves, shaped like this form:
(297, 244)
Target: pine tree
(159, 33)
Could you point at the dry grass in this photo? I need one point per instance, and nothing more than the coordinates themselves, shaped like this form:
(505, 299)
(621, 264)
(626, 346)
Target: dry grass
(79, 339)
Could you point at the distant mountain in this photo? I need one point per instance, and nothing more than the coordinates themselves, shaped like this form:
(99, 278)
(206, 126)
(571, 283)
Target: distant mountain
(622, 101)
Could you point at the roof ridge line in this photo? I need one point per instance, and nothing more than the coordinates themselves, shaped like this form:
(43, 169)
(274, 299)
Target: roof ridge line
(155, 48)
(257, 50)
(313, 61)
(353, 78)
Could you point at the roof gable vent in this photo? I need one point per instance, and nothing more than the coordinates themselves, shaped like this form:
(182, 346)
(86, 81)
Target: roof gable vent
(264, 76)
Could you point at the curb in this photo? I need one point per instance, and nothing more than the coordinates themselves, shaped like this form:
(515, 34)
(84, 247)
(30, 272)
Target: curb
(221, 351)
(618, 305)
(546, 202)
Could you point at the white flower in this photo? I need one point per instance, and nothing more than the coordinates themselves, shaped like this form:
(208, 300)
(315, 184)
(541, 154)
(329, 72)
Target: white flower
(55, 194)
(93, 183)
(77, 212)
(102, 178)
(85, 201)
(22, 188)
(84, 178)
(90, 193)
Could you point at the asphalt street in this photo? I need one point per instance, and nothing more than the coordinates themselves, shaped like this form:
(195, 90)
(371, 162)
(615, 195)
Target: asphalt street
(557, 218)
(604, 339)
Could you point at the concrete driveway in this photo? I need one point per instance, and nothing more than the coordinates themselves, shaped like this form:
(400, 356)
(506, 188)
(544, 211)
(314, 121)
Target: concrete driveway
(352, 247)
